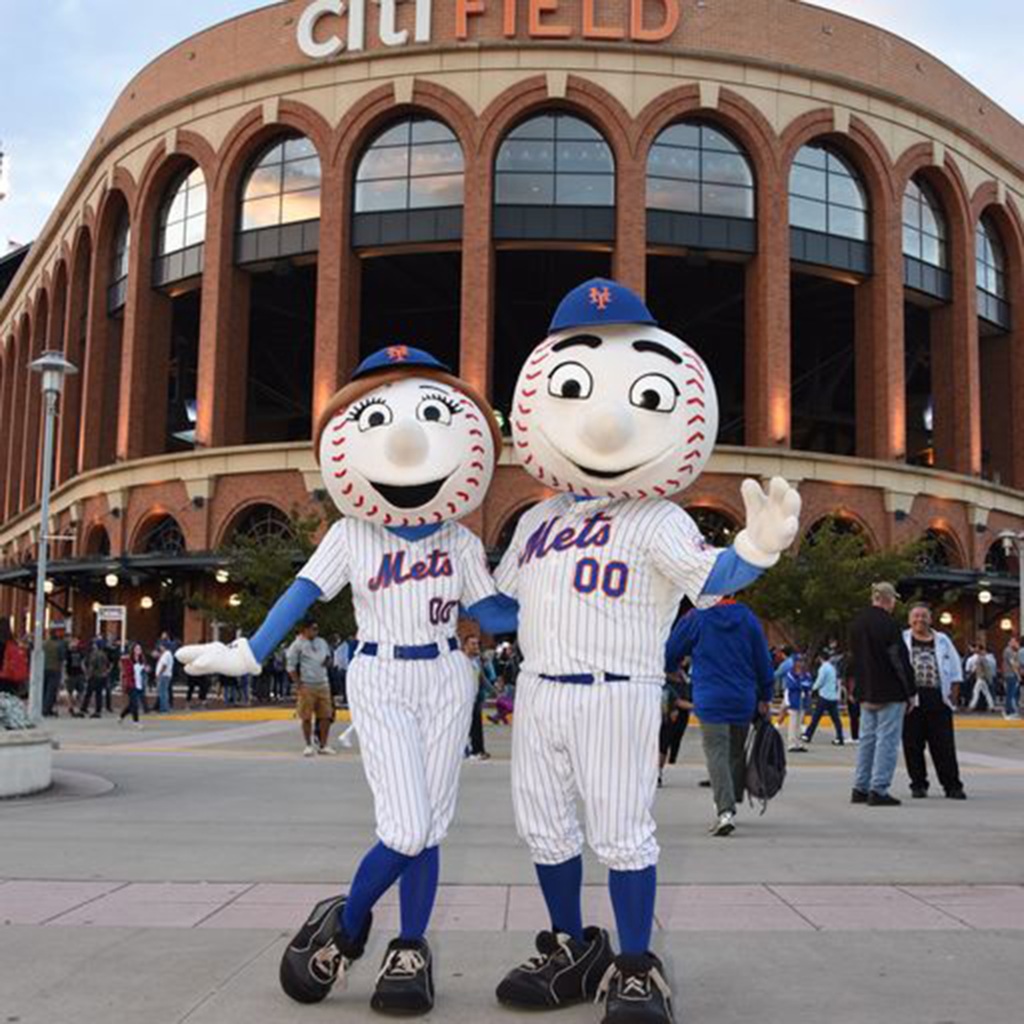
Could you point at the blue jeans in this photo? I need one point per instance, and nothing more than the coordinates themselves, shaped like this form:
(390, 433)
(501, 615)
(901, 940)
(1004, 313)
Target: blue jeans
(163, 692)
(881, 730)
(1012, 705)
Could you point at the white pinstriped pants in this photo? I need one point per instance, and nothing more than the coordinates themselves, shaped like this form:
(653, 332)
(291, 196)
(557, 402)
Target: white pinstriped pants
(412, 718)
(597, 742)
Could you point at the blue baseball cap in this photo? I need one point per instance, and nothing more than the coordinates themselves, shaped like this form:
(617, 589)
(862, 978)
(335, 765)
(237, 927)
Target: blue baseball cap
(395, 356)
(597, 302)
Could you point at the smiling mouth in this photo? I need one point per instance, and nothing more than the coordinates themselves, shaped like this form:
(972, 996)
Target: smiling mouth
(409, 497)
(599, 474)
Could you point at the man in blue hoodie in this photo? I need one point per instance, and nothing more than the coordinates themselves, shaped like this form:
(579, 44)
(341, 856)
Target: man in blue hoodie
(732, 679)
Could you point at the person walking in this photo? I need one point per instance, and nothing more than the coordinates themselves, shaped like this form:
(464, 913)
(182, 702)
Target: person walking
(134, 679)
(982, 665)
(938, 675)
(54, 653)
(74, 676)
(884, 685)
(307, 660)
(796, 688)
(97, 672)
(733, 678)
(476, 750)
(826, 686)
(164, 675)
(676, 706)
(1011, 678)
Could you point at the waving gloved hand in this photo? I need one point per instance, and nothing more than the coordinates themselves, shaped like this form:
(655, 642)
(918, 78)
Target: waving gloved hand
(773, 519)
(235, 659)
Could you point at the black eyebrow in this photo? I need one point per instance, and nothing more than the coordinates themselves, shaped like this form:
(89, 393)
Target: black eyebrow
(658, 349)
(435, 387)
(589, 340)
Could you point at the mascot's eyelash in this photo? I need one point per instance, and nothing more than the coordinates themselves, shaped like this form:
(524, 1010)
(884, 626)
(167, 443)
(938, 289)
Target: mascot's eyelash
(451, 404)
(358, 410)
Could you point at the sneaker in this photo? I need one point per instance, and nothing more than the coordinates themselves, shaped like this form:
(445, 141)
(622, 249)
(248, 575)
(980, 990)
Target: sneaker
(858, 796)
(838, 742)
(309, 750)
(725, 825)
(345, 739)
(882, 800)
(634, 991)
(405, 983)
(326, 750)
(661, 780)
(704, 783)
(563, 972)
(956, 794)
(919, 792)
(805, 738)
(797, 750)
(320, 953)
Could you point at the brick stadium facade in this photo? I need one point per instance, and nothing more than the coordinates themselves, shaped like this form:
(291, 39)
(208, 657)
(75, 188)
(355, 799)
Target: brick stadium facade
(833, 217)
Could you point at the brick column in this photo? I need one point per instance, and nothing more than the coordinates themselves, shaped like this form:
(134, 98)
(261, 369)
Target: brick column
(767, 359)
(476, 344)
(6, 425)
(1015, 342)
(19, 366)
(70, 422)
(879, 347)
(33, 423)
(629, 262)
(223, 374)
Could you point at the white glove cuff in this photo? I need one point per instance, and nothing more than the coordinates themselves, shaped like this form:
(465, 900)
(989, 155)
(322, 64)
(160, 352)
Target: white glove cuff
(749, 552)
(252, 666)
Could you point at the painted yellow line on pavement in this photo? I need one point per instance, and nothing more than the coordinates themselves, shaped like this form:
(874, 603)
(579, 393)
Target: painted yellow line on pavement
(245, 715)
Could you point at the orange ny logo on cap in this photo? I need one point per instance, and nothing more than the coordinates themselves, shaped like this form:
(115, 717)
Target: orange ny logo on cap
(398, 353)
(600, 297)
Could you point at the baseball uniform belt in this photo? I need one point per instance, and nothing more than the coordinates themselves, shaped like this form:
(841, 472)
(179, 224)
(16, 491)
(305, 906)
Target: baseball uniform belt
(585, 679)
(400, 652)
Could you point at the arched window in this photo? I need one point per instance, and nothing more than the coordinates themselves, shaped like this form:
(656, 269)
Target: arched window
(990, 261)
(261, 523)
(162, 537)
(717, 528)
(181, 229)
(939, 551)
(924, 225)
(118, 290)
(826, 194)
(695, 168)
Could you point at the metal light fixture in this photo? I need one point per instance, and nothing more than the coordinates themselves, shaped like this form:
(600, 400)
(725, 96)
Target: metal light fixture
(235, 600)
(1006, 625)
(146, 603)
(111, 580)
(946, 619)
(223, 576)
(95, 607)
(48, 587)
(985, 597)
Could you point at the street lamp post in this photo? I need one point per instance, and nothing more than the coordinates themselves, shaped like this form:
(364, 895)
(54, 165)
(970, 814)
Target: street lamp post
(54, 368)
(1012, 540)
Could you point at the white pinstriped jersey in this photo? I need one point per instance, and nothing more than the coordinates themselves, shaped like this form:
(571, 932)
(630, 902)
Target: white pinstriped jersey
(404, 592)
(599, 583)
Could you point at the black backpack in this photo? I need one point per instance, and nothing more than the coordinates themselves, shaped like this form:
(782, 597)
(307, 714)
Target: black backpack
(766, 762)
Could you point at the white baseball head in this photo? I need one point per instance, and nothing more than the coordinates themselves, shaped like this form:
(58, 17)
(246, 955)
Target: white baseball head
(407, 444)
(610, 405)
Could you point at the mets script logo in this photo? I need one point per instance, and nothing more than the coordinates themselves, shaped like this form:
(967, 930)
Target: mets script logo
(596, 532)
(398, 353)
(392, 569)
(601, 297)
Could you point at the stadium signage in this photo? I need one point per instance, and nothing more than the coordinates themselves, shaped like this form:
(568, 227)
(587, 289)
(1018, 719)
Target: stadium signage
(329, 27)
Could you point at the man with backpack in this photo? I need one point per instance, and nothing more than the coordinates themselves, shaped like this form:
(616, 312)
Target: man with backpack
(732, 678)
(97, 670)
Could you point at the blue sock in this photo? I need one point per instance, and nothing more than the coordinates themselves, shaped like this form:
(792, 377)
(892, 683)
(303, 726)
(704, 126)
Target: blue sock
(377, 873)
(562, 885)
(632, 895)
(417, 890)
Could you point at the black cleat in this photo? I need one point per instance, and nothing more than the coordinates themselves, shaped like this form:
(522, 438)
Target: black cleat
(405, 984)
(563, 972)
(320, 952)
(634, 991)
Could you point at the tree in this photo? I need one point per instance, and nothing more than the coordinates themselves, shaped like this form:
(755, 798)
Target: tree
(262, 568)
(813, 594)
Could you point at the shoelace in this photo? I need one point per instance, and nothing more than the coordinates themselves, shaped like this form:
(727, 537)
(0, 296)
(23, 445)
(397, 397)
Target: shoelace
(539, 960)
(634, 985)
(403, 963)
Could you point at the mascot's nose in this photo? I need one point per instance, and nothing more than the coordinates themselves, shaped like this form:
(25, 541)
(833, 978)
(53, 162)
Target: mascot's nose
(407, 444)
(607, 428)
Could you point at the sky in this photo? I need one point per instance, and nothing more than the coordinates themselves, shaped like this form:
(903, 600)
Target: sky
(64, 62)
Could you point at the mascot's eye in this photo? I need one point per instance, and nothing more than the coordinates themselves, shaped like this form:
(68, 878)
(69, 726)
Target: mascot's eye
(372, 414)
(570, 380)
(437, 409)
(654, 392)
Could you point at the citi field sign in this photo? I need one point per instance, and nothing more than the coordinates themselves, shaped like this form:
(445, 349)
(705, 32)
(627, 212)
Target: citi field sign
(329, 27)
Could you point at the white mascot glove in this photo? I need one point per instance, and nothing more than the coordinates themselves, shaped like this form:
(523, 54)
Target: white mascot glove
(219, 659)
(772, 522)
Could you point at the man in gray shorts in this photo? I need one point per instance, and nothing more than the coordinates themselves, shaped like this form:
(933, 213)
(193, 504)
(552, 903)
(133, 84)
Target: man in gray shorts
(307, 661)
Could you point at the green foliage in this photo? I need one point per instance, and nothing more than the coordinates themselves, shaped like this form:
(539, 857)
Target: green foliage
(813, 595)
(261, 570)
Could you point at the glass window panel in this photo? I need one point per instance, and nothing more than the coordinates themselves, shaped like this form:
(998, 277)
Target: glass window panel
(382, 195)
(979, 244)
(176, 208)
(931, 250)
(172, 238)
(811, 156)
(911, 242)
(846, 192)
(525, 189)
(681, 135)
(300, 206)
(930, 224)
(838, 165)
(196, 200)
(261, 213)
(431, 131)
(383, 163)
(727, 169)
(195, 178)
(807, 182)
(912, 191)
(584, 156)
(274, 155)
(437, 191)
(669, 162)
(195, 230)
(298, 149)
(301, 175)
(575, 128)
(526, 156)
(264, 181)
(437, 158)
(727, 201)
(396, 135)
(808, 214)
(911, 212)
(584, 190)
(542, 127)
(847, 223)
(665, 194)
(713, 139)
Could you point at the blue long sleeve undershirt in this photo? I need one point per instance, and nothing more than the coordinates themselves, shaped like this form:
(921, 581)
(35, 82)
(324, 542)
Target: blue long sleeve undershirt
(730, 574)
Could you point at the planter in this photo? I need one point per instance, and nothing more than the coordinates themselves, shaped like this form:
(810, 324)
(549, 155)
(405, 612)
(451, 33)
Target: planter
(26, 762)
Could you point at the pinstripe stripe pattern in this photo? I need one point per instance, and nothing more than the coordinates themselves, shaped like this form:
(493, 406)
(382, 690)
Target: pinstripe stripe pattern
(412, 718)
(598, 743)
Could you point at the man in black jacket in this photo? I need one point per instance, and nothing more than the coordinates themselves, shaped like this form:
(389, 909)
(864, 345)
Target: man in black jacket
(884, 685)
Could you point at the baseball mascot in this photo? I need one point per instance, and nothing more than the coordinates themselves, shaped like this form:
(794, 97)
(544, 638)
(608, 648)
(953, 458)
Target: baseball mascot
(405, 449)
(619, 416)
